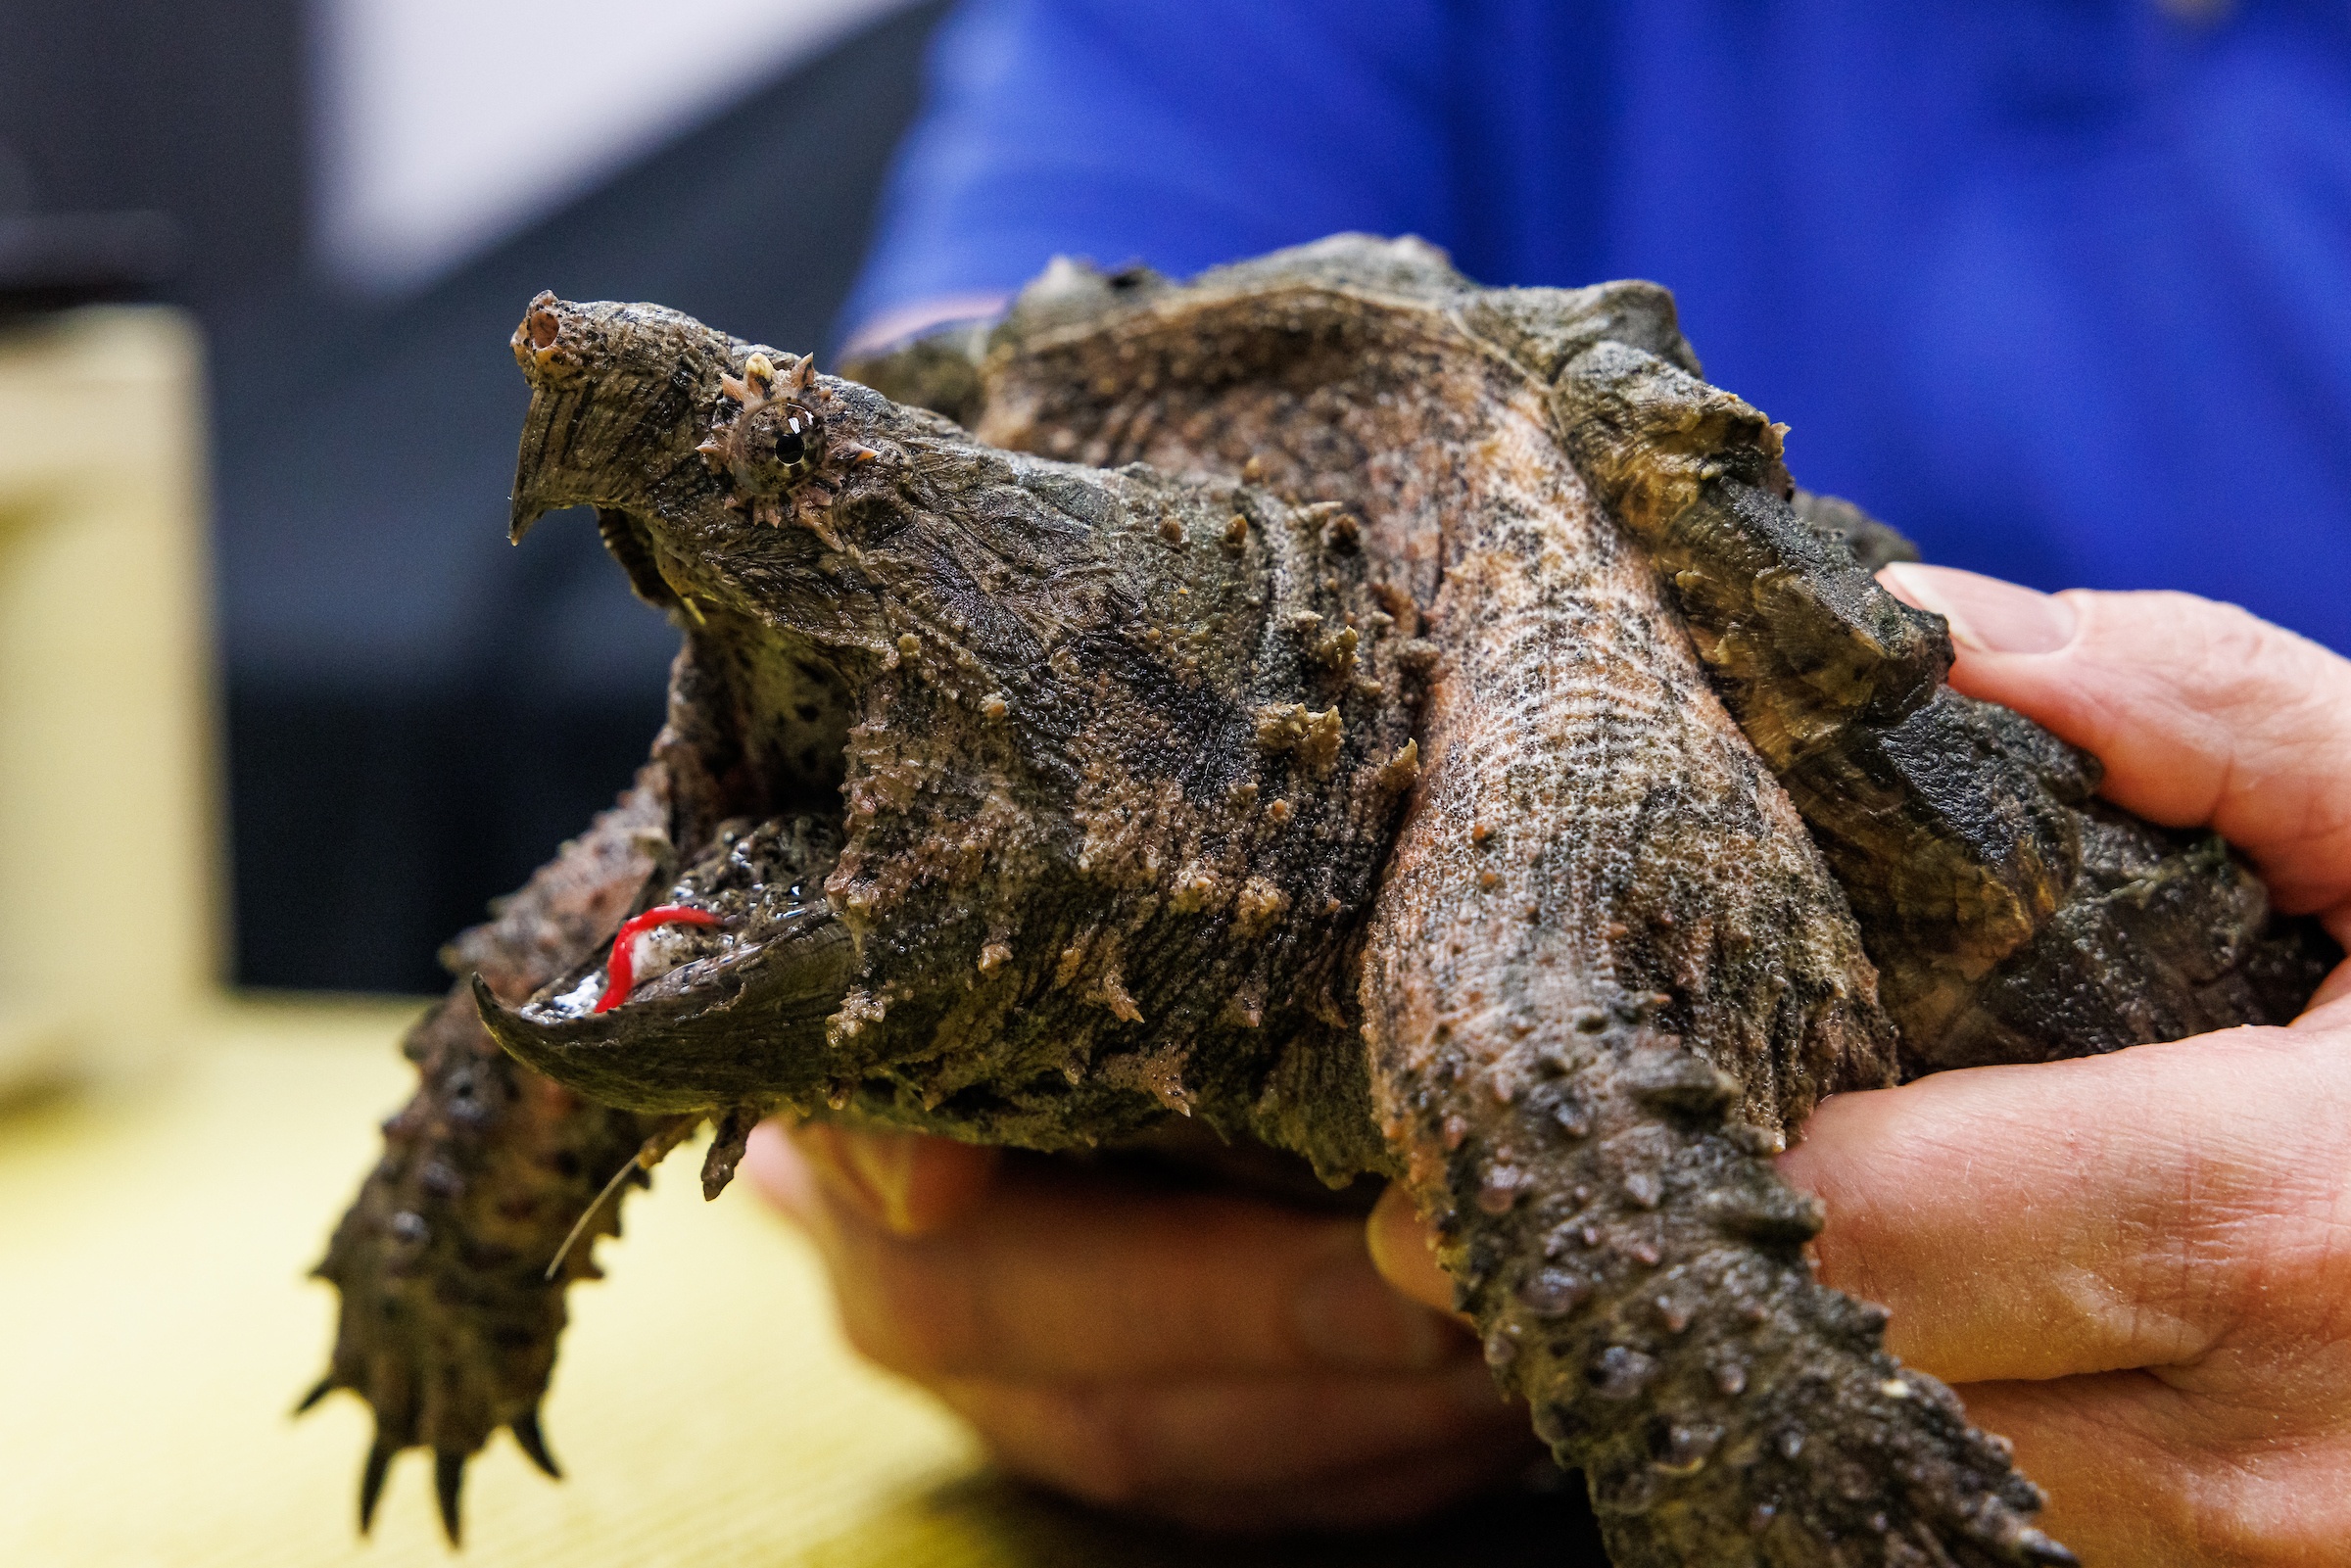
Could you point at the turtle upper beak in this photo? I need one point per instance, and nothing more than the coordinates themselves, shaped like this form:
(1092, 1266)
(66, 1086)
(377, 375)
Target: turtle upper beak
(525, 510)
(606, 379)
(550, 363)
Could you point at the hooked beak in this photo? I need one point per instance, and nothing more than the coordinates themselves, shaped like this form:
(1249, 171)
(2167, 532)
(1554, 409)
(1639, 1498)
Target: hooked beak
(605, 379)
(736, 1015)
(751, 1032)
(554, 366)
(621, 395)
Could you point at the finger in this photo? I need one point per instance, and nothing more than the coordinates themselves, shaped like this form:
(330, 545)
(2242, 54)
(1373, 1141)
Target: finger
(1060, 1275)
(908, 1184)
(2330, 1005)
(2135, 1475)
(779, 1172)
(2095, 1214)
(1124, 1443)
(2203, 715)
(1403, 1249)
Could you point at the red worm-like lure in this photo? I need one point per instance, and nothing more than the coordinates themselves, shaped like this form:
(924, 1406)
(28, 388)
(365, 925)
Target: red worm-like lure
(621, 973)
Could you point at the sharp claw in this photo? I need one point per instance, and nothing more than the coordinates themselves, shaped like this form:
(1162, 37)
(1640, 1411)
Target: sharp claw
(449, 1474)
(326, 1386)
(2038, 1547)
(534, 1442)
(371, 1483)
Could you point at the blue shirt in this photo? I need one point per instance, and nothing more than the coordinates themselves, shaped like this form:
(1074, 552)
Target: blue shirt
(2061, 288)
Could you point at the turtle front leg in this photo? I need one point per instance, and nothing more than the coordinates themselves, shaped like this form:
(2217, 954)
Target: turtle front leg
(450, 1310)
(1607, 973)
(2012, 917)
(1637, 1273)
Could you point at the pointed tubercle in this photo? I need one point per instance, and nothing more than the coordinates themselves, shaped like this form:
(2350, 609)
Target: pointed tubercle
(371, 1482)
(449, 1478)
(534, 1444)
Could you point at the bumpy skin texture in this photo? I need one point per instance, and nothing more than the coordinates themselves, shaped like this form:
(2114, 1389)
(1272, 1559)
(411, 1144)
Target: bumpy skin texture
(448, 1322)
(1122, 757)
(1419, 754)
(1993, 893)
(2012, 917)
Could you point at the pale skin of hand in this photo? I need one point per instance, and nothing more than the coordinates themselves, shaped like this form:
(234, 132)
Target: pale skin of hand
(2136, 1266)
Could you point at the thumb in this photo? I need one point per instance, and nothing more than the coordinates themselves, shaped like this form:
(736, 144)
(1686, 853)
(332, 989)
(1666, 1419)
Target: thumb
(1403, 1249)
(2203, 715)
(908, 1184)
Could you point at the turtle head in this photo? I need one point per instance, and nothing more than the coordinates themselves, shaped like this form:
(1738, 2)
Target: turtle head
(723, 473)
(1010, 781)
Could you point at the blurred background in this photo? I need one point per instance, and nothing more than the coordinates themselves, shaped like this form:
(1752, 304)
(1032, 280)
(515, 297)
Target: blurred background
(354, 199)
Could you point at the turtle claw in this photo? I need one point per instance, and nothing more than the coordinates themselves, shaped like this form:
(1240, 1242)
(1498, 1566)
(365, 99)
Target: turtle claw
(534, 1442)
(448, 1475)
(319, 1391)
(2037, 1547)
(371, 1482)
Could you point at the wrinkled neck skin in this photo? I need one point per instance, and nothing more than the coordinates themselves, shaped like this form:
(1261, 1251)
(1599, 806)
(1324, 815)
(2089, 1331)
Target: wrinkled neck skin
(1592, 839)
(1609, 969)
(1116, 761)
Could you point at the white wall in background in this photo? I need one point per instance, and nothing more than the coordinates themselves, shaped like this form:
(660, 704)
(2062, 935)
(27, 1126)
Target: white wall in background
(442, 126)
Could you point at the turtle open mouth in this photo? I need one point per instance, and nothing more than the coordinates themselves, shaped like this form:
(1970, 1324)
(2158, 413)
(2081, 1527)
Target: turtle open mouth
(770, 965)
(1111, 758)
(733, 957)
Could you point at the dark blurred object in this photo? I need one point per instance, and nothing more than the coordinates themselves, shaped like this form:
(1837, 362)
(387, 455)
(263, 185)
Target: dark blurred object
(194, 111)
(1874, 544)
(49, 262)
(418, 714)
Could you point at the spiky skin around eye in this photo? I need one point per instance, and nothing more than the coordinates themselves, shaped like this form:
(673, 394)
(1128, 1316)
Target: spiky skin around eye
(1423, 731)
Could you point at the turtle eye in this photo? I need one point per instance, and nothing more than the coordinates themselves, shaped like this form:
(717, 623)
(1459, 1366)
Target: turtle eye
(790, 446)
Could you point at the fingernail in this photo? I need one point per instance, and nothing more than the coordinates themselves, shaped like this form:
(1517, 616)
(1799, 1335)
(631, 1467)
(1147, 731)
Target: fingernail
(1345, 1314)
(1987, 615)
(1403, 1250)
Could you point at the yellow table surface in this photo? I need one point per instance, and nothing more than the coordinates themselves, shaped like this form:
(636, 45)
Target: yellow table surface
(156, 1326)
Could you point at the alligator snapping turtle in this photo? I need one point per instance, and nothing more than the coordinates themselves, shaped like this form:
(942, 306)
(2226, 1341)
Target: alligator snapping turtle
(1419, 727)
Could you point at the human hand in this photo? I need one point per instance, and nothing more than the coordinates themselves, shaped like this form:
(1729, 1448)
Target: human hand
(1208, 1357)
(2136, 1266)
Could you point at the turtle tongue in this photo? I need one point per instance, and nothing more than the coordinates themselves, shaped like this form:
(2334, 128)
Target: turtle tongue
(736, 1018)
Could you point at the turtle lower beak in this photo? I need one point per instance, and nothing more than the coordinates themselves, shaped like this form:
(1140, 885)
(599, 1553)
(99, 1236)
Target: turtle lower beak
(753, 1034)
(745, 963)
